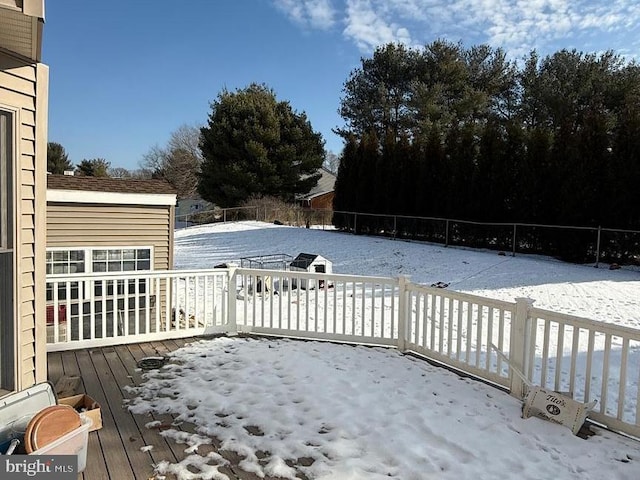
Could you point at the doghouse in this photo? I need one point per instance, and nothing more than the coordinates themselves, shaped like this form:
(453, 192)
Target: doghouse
(309, 262)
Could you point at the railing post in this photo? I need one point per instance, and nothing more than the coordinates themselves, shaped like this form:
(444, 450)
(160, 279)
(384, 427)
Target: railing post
(403, 311)
(232, 325)
(519, 344)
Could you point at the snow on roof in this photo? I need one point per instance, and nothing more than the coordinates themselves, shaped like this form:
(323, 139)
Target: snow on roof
(326, 183)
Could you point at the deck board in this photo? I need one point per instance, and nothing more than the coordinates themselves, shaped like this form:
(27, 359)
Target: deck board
(114, 452)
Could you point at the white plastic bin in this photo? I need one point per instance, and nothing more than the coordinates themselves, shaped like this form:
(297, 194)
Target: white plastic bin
(73, 443)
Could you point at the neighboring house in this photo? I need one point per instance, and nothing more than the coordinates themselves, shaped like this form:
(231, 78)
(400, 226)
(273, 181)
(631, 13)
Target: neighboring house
(24, 85)
(188, 207)
(321, 196)
(191, 205)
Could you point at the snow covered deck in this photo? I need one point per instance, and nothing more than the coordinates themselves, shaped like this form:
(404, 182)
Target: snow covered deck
(376, 414)
(117, 451)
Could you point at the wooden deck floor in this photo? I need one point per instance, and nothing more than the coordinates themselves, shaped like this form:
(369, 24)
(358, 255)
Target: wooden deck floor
(114, 452)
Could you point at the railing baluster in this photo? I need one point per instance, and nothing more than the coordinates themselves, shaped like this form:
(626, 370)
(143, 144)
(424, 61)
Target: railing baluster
(479, 322)
(469, 331)
(450, 327)
(559, 355)
(125, 302)
(432, 322)
(460, 328)
(532, 347)
(574, 359)
(489, 339)
(422, 324)
(623, 378)
(500, 342)
(545, 354)
(441, 326)
(604, 390)
(335, 311)
(587, 377)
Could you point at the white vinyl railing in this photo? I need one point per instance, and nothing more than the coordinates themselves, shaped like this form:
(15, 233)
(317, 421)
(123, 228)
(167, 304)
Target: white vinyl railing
(115, 308)
(582, 358)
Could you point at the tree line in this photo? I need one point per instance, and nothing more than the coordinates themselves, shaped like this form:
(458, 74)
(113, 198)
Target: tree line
(454, 132)
(439, 131)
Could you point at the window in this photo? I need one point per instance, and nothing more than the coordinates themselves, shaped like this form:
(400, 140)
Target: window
(65, 261)
(7, 277)
(6, 182)
(121, 260)
(97, 260)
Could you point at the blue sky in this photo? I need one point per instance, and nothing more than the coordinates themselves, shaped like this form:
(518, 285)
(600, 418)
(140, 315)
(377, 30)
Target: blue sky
(125, 74)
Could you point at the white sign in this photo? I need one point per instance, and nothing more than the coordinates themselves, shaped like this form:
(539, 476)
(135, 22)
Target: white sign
(556, 408)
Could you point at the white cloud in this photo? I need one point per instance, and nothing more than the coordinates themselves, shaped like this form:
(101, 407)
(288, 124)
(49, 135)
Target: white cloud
(318, 14)
(368, 28)
(515, 25)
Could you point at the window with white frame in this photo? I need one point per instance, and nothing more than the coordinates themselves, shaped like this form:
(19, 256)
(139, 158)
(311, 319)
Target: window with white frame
(6, 181)
(7, 276)
(97, 260)
(121, 260)
(65, 261)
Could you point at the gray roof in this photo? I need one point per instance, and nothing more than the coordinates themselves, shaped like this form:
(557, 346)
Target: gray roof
(303, 260)
(108, 184)
(326, 183)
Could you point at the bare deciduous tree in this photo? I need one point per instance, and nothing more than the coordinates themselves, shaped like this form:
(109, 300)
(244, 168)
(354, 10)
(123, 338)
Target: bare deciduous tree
(178, 162)
(119, 172)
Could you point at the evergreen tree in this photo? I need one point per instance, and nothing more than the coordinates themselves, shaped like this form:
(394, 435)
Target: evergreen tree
(256, 145)
(57, 159)
(96, 167)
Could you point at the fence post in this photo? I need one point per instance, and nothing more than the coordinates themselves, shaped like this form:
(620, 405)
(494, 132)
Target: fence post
(598, 247)
(446, 233)
(519, 344)
(395, 226)
(224, 215)
(403, 312)
(232, 324)
(513, 241)
(355, 223)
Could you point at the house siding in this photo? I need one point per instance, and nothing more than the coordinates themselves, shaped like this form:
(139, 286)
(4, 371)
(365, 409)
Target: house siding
(24, 91)
(104, 225)
(322, 202)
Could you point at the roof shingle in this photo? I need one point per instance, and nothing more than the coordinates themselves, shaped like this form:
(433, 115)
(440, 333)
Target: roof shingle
(107, 184)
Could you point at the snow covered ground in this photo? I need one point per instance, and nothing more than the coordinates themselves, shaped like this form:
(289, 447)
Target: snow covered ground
(344, 412)
(597, 293)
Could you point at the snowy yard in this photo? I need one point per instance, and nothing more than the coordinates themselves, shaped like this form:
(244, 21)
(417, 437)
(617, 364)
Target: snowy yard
(597, 293)
(344, 412)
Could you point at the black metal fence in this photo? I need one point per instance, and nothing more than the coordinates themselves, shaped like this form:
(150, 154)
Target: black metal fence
(571, 243)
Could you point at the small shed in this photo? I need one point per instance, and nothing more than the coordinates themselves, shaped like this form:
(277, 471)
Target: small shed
(309, 262)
